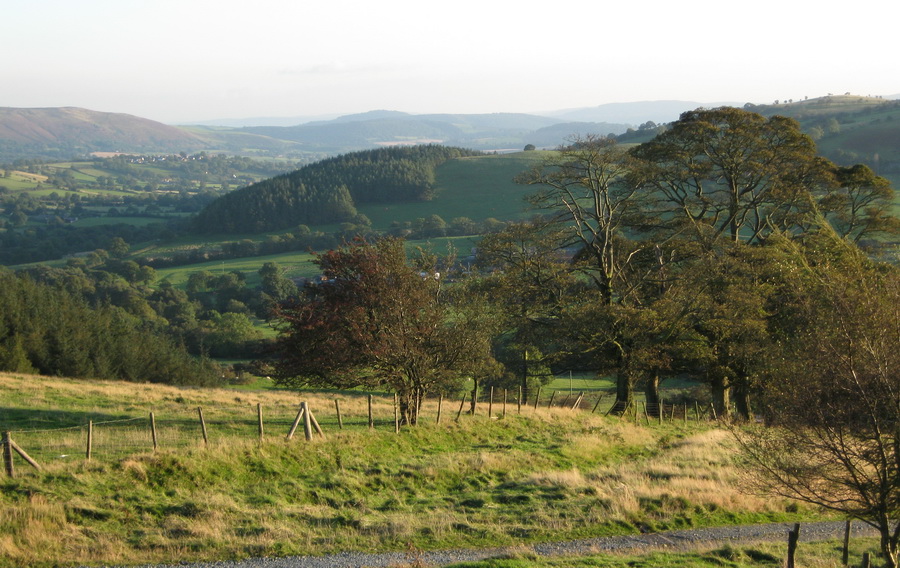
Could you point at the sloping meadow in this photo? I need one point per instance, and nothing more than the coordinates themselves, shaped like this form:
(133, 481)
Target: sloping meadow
(538, 475)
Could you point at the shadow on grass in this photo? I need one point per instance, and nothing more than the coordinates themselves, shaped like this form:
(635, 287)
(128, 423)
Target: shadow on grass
(43, 419)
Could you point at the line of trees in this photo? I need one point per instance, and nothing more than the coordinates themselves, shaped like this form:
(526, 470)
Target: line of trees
(663, 259)
(725, 250)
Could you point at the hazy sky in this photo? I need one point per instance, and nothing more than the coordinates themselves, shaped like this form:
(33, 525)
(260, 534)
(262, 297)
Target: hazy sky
(192, 60)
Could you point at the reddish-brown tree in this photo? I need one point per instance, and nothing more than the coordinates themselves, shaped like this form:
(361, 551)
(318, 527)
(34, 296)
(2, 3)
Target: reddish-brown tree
(378, 321)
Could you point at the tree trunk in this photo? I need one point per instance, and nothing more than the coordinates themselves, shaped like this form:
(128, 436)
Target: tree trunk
(742, 400)
(474, 397)
(407, 400)
(651, 393)
(524, 376)
(721, 392)
(624, 393)
(888, 543)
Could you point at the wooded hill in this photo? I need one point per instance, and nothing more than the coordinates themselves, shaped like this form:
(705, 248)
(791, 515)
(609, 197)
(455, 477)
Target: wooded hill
(49, 328)
(329, 191)
(848, 128)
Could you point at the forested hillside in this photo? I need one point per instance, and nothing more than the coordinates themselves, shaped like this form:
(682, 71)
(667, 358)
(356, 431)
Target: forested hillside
(49, 330)
(329, 191)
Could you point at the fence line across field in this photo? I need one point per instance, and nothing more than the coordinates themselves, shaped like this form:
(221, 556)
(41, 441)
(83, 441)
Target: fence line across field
(120, 438)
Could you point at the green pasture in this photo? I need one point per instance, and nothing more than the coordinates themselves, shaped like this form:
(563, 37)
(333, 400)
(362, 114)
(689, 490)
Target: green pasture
(102, 221)
(18, 182)
(295, 264)
(477, 187)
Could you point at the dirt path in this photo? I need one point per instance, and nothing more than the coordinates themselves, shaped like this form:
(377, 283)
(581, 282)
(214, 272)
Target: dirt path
(673, 540)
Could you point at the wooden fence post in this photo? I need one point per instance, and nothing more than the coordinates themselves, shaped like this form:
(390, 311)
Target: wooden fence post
(396, 414)
(793, 537)
(315, 423)
(845, 553)
(337, 409)
(552, 396)
(24, 455)
(371, 420)
(505, 397)
(866, 560)
(203, 426)
(296, 422)
(462, 403)
(440, 407)
(259, 422)
(537, 397)
(519, 401)
(8, 455)
(491, 403)
(596, 406)
(307, 421)
(578, 400)
(90, 440)
(153, 431)
(419, 405)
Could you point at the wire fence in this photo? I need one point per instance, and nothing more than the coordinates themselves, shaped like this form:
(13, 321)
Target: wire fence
(117, 439)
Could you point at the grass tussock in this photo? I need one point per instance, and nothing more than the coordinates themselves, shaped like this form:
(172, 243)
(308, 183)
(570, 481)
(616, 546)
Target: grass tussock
(539, 476)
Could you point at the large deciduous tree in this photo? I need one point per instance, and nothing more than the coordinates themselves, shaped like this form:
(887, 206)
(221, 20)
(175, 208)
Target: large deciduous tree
(860, 206)
(730, 173)
(378, 321)
(833, 406)
(582, 188)
(583, 191)
(530, 278)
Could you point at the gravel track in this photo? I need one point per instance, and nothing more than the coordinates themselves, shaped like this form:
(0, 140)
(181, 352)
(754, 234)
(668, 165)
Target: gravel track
(674, 540)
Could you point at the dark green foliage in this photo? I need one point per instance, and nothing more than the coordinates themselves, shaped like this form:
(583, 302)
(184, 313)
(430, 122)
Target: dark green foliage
(329, 191)
(49, 330)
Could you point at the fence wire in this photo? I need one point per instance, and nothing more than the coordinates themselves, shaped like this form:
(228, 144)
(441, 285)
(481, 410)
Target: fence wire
(112, 440)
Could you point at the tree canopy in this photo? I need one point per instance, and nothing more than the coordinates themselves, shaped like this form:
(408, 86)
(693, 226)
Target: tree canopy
(378, 321)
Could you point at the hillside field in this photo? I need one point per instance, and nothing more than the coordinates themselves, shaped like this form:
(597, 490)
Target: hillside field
(478, 187)
(539, 475)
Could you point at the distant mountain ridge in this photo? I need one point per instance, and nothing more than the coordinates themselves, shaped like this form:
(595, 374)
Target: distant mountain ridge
(67, 132)
(63, 133)
(89, 130)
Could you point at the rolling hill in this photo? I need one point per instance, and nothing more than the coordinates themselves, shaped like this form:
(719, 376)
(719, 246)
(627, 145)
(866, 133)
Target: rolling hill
(70, 131)
(62, 133)
(847, 128)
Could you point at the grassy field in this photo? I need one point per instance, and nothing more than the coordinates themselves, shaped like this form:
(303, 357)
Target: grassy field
(295, 264)
(477, 187)
(541, 475)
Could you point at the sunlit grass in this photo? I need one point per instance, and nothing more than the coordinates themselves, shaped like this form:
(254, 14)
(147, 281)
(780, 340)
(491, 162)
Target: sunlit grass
(536, 476)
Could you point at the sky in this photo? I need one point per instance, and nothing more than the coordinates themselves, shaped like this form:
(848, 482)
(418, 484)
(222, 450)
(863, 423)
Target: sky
(197, 60)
